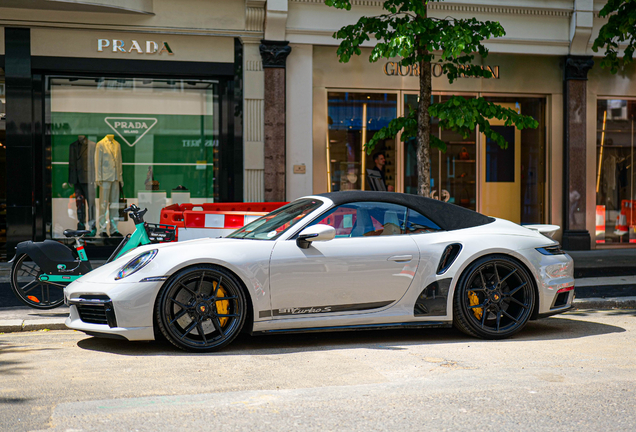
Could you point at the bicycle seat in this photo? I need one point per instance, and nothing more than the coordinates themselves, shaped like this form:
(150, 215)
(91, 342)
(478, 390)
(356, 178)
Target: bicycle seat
(75, 233)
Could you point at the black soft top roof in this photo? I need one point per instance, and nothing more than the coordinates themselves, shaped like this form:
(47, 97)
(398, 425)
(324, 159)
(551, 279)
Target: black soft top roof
(447, 216)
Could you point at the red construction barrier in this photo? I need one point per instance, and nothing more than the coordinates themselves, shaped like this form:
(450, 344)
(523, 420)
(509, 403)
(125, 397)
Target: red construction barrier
(219, 219)
(173, 214)
(628, 208)
(213, 219)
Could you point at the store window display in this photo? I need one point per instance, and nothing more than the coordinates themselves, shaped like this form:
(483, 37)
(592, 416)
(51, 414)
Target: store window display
(121, 141)
(109, 177)
(81, 174)
(454, 172)
(511, 181)
(615, 177)
(354, 118)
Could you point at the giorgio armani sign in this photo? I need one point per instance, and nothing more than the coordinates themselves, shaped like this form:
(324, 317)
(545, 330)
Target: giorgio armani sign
(395, 69)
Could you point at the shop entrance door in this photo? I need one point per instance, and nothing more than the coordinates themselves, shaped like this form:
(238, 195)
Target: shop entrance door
(500, 172)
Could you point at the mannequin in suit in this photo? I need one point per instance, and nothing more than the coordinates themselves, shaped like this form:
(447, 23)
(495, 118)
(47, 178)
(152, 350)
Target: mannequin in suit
(81, 174)
(109, 177)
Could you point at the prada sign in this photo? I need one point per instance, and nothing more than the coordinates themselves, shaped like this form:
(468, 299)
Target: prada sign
(149, 47)
(395, 69)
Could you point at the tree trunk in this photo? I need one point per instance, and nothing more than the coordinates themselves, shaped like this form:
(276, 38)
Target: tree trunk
(424, 124)
(424, 131)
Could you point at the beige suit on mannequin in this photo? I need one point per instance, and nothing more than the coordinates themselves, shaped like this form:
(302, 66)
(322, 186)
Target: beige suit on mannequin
(109, 177)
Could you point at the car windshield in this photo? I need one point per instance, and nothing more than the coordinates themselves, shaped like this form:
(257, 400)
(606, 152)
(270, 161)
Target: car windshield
(274, 224)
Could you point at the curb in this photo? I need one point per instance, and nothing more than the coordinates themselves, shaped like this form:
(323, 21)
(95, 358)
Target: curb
(605, 303)
(15, 326)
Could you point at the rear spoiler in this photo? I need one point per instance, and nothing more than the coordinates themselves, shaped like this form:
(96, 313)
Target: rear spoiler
(546, 230)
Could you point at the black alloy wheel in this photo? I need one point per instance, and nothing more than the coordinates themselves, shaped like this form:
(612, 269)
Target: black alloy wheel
(27, 286)
(201, 309)
(494, 298)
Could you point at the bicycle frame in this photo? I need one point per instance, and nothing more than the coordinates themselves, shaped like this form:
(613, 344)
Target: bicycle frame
(50, 265)
(138, 238)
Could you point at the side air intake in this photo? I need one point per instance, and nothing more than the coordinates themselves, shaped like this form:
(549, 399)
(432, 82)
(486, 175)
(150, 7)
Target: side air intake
(448, 257)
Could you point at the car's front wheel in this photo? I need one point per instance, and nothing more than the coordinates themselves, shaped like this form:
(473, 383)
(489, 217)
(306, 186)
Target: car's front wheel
(201, 309)
(494, 298)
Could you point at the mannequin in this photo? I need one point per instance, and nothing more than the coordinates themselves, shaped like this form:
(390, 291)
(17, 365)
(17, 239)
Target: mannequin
(81, 174)
(109, 177)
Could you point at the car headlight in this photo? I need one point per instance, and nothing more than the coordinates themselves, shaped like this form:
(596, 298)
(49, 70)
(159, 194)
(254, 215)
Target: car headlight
(551, 250)
(139, 262)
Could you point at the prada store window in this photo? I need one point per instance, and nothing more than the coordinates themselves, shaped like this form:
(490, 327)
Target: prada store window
(615, 175)
(116, 142)
(353, 120)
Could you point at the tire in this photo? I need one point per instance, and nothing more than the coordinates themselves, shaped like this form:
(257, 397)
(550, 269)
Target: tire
(201, 309)
(494, 298)
(31, 291)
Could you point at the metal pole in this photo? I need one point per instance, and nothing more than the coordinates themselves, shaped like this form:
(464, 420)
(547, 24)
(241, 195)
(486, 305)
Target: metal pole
(364, 142)
(600, 158)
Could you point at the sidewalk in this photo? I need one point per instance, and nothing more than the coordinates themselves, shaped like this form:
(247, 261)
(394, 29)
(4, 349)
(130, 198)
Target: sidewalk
(604, 262)
(16, 319)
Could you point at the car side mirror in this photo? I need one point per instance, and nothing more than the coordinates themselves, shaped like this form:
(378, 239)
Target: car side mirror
(313, 233)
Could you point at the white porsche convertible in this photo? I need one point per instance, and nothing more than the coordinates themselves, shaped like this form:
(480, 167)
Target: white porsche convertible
(338, 261)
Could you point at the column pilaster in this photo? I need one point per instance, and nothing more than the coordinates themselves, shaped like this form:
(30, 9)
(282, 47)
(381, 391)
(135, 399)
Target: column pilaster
(575, 234)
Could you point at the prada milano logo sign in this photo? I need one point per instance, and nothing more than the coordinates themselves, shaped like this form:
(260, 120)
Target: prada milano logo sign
(122, 46)
(395, 69)
(131, 129)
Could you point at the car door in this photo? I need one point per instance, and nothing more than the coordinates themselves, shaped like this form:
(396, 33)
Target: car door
(369, 265)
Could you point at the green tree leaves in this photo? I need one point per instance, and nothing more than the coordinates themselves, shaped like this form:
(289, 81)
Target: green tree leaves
(460, 115)
(618, 32)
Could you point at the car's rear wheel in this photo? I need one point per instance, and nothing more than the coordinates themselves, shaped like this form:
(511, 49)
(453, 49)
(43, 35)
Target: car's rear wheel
(201, 309)
(27, 286)
(494, 298)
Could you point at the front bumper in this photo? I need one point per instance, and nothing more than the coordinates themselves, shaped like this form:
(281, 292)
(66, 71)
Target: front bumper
(119, 309)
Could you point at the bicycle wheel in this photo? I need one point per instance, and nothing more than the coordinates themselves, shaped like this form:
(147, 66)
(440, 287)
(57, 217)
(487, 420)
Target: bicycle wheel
(31, 291)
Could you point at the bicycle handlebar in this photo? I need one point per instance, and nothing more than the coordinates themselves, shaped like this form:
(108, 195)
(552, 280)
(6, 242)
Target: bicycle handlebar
(136, 213)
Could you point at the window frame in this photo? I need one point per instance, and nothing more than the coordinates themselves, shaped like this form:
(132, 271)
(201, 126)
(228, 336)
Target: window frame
(326, 213)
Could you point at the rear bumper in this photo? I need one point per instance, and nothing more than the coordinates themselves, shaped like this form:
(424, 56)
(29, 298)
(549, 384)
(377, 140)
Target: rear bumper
(555, 282)
(554, 312)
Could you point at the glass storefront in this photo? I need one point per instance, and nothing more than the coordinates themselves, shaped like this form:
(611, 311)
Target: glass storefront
(513, 184)
(118, 141)
(454, 172)
(615, 199)
(473, 172)
(353, 120)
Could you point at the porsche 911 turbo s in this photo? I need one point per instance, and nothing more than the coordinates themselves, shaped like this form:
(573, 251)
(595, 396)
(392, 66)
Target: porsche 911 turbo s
(337, 261)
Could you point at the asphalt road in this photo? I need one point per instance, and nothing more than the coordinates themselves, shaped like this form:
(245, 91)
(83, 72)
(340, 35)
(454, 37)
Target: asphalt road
(566, 373)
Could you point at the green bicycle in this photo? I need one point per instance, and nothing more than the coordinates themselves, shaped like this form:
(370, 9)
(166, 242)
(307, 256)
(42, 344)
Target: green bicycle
(41, 270)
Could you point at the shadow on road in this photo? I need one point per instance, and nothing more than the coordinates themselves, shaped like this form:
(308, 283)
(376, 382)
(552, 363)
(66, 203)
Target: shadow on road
(14, 367)
(555, 328)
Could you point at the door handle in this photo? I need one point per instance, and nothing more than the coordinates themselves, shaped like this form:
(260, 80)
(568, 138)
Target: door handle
(401, 258)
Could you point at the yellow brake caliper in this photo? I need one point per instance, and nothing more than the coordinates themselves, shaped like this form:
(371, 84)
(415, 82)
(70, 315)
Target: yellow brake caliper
(222, 306)
(474, 301)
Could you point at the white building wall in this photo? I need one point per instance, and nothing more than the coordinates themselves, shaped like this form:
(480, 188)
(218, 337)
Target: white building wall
(299, 121)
